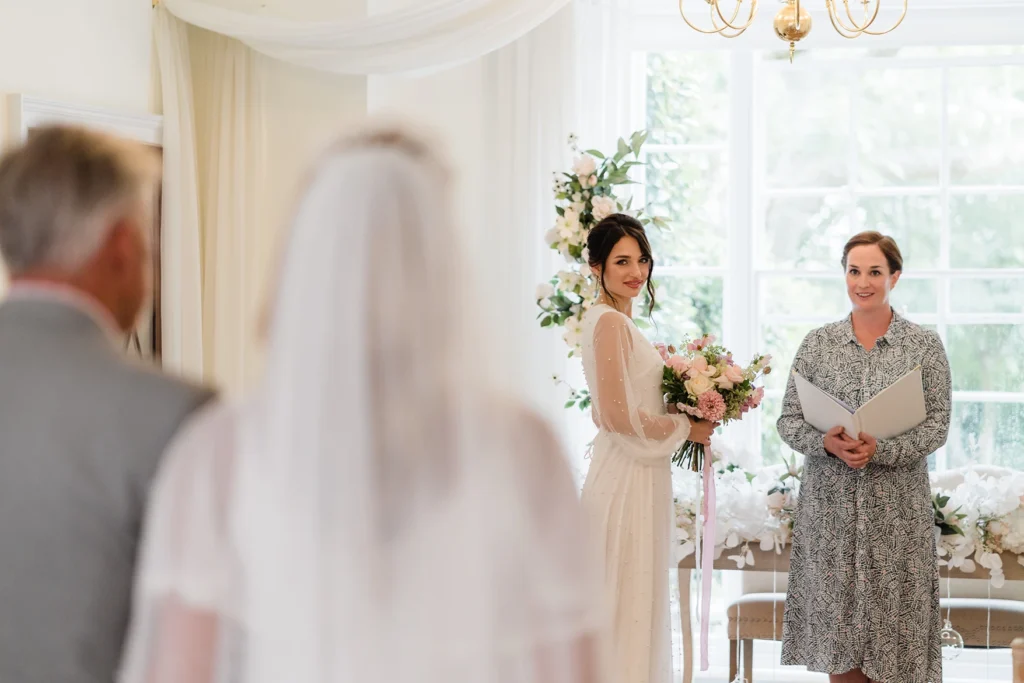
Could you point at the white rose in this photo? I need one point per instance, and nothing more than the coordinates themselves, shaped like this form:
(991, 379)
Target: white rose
(603, 207)
(571, 218)
(545, 290)
(577, 197)
(585, 270)
(551, 236)
(584, 166)
(699, 385)
(545, 303)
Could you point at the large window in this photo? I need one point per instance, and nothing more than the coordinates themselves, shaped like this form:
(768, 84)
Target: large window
(765, 168)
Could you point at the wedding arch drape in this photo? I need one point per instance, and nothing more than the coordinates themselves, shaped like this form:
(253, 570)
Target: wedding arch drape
(421, 38)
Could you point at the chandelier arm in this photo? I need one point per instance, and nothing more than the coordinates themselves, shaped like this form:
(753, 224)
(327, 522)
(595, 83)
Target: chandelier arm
(867, 22)
(728, 22)
(842, 30)
(903, 15)
(693, 26)
(837, 20)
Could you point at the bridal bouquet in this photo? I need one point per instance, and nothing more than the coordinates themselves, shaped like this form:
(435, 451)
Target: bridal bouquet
(703, 381)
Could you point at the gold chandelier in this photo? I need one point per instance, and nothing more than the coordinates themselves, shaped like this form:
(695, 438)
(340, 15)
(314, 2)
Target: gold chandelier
(793, 22)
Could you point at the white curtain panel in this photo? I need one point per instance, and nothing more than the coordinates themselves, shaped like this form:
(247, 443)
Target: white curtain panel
(422, 38)
(530, 111)
(230, 135)
(181, 270)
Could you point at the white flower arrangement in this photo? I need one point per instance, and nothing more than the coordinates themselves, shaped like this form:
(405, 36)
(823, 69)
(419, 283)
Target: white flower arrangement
(976, 522)
(583, 197)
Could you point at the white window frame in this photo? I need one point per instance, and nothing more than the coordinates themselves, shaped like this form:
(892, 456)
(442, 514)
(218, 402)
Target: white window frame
(747, 195)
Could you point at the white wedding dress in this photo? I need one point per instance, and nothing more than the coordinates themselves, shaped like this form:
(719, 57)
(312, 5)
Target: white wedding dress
(627, 495)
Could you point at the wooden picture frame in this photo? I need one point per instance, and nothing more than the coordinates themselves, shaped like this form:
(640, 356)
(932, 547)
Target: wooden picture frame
(26, 112)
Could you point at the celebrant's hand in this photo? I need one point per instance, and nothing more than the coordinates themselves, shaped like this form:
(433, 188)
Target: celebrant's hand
(843, 447)
(701, 430)
(867, 450)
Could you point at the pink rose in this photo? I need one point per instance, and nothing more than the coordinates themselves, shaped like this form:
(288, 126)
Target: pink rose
(699, 366)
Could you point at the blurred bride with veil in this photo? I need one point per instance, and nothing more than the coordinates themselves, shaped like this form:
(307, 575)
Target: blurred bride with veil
(376, 511)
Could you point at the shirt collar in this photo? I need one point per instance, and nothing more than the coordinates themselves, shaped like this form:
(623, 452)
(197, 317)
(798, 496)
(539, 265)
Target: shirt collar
(891, 334)
(70, 297)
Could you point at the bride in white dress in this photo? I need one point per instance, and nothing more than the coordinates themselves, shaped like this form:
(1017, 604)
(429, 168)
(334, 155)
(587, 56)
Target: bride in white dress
(377, 511)
(627, 495)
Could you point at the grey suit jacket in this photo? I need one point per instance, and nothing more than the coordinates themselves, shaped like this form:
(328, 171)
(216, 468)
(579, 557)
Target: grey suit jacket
(82, 430)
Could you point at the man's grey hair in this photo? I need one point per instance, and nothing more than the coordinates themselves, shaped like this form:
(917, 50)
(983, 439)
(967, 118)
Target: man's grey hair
(63, 190)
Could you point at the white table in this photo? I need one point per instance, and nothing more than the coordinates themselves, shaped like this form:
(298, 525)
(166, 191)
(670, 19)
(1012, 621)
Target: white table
(767, 562)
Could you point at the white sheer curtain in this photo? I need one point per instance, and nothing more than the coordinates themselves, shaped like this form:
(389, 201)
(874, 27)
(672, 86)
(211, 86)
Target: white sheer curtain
(230, 132)
(530, 107)
(181, 291)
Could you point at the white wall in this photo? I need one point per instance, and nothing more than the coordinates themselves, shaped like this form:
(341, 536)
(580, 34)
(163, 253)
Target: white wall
(96, 53)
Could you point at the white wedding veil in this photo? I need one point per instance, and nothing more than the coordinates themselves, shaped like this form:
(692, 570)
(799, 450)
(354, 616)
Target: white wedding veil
(376, 512)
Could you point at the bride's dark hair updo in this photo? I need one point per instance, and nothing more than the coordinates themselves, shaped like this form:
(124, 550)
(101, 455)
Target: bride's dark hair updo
(606, 234)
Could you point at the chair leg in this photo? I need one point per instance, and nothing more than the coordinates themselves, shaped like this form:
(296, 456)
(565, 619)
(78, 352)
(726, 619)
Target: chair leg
(733, 664)
(748, 660)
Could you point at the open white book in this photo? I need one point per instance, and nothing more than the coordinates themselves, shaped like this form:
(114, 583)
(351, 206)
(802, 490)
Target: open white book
(894, 410)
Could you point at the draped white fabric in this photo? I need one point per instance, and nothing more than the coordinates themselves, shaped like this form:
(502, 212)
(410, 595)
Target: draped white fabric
(230, 134)
(422, 38)
(531, 110)
(181, 290)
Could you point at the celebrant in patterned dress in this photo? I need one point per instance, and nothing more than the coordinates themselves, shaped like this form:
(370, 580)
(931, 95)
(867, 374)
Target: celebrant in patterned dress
(863, 600)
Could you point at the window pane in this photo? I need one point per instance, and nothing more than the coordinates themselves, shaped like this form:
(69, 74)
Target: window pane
(805, 232)
(799, 295)
(986, 357)
(807, 128)
(979, 295)
(687, 97)
(913, 221)
(772, 448)
(990, 433)
(899, 137)
(987, 231)
(782, 341)
(686, 306)
(915, 295)
(688, 189)
(986, 114)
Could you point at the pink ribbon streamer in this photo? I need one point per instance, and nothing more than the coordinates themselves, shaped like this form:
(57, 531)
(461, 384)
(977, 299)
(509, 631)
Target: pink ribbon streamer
(707, 557)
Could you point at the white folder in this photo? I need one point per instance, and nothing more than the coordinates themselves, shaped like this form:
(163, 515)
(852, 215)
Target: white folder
(896, 409)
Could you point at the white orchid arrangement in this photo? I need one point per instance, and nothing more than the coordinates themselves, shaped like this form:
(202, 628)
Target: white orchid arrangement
(989, 521)
(583, 197)
(976, 522)
(753, 508)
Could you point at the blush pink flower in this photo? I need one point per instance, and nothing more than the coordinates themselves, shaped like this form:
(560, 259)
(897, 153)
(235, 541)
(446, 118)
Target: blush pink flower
(678, 364)
(757, 397)
(663, 350)
(700, 366)
(712, 406)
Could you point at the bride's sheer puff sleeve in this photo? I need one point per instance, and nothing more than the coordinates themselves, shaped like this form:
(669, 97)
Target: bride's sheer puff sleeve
(617, 406)
(184, 603)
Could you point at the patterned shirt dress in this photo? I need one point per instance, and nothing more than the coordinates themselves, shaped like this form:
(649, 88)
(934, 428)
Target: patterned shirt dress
(863, 583)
